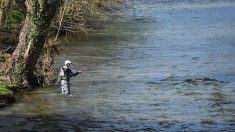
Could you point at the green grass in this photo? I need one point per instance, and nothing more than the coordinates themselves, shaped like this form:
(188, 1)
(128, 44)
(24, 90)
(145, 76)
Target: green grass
(6, 95)
(5, 92)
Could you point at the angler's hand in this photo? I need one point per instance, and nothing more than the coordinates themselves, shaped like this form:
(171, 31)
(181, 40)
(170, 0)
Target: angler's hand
(76, 73)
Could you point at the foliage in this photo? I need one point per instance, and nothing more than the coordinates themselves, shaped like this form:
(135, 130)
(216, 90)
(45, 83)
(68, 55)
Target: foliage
(9, 33)
(4, 91)
(14, 18)
(6, 95)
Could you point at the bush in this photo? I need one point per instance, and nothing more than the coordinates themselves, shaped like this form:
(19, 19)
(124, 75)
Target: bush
(6, 95)
(5, 92)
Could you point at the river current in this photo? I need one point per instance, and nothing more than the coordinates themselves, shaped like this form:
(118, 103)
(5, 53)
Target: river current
(168, 65)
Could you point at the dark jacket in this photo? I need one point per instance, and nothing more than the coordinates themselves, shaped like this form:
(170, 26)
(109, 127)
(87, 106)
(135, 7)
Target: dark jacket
(66, 73)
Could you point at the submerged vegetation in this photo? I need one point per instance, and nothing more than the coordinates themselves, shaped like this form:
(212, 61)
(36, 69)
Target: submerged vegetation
(29, 31)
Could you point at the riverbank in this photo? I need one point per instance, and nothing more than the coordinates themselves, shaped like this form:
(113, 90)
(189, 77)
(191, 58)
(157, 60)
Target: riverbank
(7, 91)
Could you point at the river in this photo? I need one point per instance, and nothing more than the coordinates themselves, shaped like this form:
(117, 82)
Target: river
(169, 65)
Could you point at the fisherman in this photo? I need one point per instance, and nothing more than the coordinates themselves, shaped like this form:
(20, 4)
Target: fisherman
(64, 76)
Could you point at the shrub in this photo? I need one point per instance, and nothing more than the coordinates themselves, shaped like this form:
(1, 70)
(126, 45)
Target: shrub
(6, 95)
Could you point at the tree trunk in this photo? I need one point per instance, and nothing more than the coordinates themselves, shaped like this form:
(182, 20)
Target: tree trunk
(22, 64)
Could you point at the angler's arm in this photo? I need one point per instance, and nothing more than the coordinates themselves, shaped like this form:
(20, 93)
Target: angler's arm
(76, 73)
(79, 72)
(72, 74)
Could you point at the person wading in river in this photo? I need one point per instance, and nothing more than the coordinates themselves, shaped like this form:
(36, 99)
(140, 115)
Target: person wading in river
(64, 76)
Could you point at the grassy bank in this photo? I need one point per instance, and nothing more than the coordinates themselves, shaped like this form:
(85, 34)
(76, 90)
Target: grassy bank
(7, 93)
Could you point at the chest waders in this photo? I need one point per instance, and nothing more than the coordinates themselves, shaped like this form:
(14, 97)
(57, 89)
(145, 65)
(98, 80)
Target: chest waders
(65, 87)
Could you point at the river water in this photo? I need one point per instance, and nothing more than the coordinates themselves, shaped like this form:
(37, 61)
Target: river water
(169, 65)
